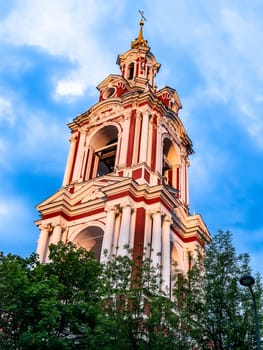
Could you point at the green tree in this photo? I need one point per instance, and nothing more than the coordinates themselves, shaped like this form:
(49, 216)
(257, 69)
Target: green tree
(215, 311)
(63, 298)
(74, 302)
(15, 275)
(48, 306)
(229, 315)
(136, 313)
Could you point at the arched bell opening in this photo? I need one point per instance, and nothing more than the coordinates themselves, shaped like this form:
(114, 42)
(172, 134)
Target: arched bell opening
(130, 72)
(176, 268)
(104, 144)
(91, 239)
(170, 170)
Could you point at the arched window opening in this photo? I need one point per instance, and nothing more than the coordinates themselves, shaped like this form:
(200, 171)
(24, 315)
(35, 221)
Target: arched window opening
(91, 239)
(131, 71)
(106, 157)
(149, 75)
(175, 268)
(170, 167)
(167, 167)
(104, 143)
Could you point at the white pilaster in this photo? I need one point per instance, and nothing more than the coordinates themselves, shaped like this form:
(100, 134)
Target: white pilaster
(156, 238)
(166, 254)
(136, 142)
(144, 137)
(90, 152)
(42, 243)
(187, 164)
(124, 138)
(182, 179)
(159, 148)
(116, 234)
(56, 235)
(124, 236)
(84, 160)
(79, 158)
(147, 237)
(106, 249)
(73, 143)
(150, 132)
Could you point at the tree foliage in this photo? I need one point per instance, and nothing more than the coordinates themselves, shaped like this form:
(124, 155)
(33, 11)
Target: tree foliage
(229, 306)
(74, 302)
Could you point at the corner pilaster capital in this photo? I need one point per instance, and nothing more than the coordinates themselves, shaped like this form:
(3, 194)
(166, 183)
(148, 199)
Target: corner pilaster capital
(73, 138)
(145, 111)
(126, 203)
(111, 208)
(168, 219)
(59, 223)
(46, 227)
(126, 114)
(156, 211)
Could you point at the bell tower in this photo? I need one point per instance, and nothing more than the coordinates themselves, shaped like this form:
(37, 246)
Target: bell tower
(126, 177)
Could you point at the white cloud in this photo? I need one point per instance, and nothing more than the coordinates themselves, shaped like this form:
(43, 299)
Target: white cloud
(39, 138)
(6, 111)
(4, 210)
(67, 88)
(223, 41)
(42, 140)
(64, 28)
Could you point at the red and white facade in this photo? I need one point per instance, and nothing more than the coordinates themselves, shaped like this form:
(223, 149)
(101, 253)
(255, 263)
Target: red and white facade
(126, 178)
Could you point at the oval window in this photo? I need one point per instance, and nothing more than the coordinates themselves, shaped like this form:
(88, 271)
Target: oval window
(109, 92)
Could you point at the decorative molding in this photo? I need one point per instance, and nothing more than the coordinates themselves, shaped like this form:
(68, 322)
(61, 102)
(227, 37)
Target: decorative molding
(94, 193)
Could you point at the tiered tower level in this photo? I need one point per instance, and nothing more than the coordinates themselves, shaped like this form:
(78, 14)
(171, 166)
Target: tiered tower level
(126, 178)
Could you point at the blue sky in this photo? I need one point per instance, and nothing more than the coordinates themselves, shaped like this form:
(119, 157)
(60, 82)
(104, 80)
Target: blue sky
(55, 52)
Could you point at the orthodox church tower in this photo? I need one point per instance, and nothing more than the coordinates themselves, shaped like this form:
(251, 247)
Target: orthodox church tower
(126, 177)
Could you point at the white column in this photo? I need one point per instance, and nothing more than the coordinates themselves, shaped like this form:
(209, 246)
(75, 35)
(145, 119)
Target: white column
(124, 236)
(56, 235)
(82, 172)
(166, 254)
(124, 138)
(136, 141)
(144, 138)
(108, 234)
(79, 157)
(116, 234)
(42, 244)
(73, 143)
(159, 148)
(187, 164)
(150, 131)
(147, 237)
(156, 238)
(182, 179)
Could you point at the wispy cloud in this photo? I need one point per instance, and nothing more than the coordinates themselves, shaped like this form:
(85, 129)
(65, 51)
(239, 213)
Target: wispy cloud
(223, 42)
(69, 29)
(6, 112)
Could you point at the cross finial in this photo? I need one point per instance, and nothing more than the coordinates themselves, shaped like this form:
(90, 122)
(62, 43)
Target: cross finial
(142, 15)
(140, 41)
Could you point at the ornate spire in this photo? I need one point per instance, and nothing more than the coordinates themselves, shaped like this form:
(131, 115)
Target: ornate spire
(140, 41)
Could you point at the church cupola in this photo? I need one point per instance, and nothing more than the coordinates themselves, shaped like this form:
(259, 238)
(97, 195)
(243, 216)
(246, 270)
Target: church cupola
(138, 65)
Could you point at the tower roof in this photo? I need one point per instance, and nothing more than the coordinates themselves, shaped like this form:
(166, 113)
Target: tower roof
(139, 41)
